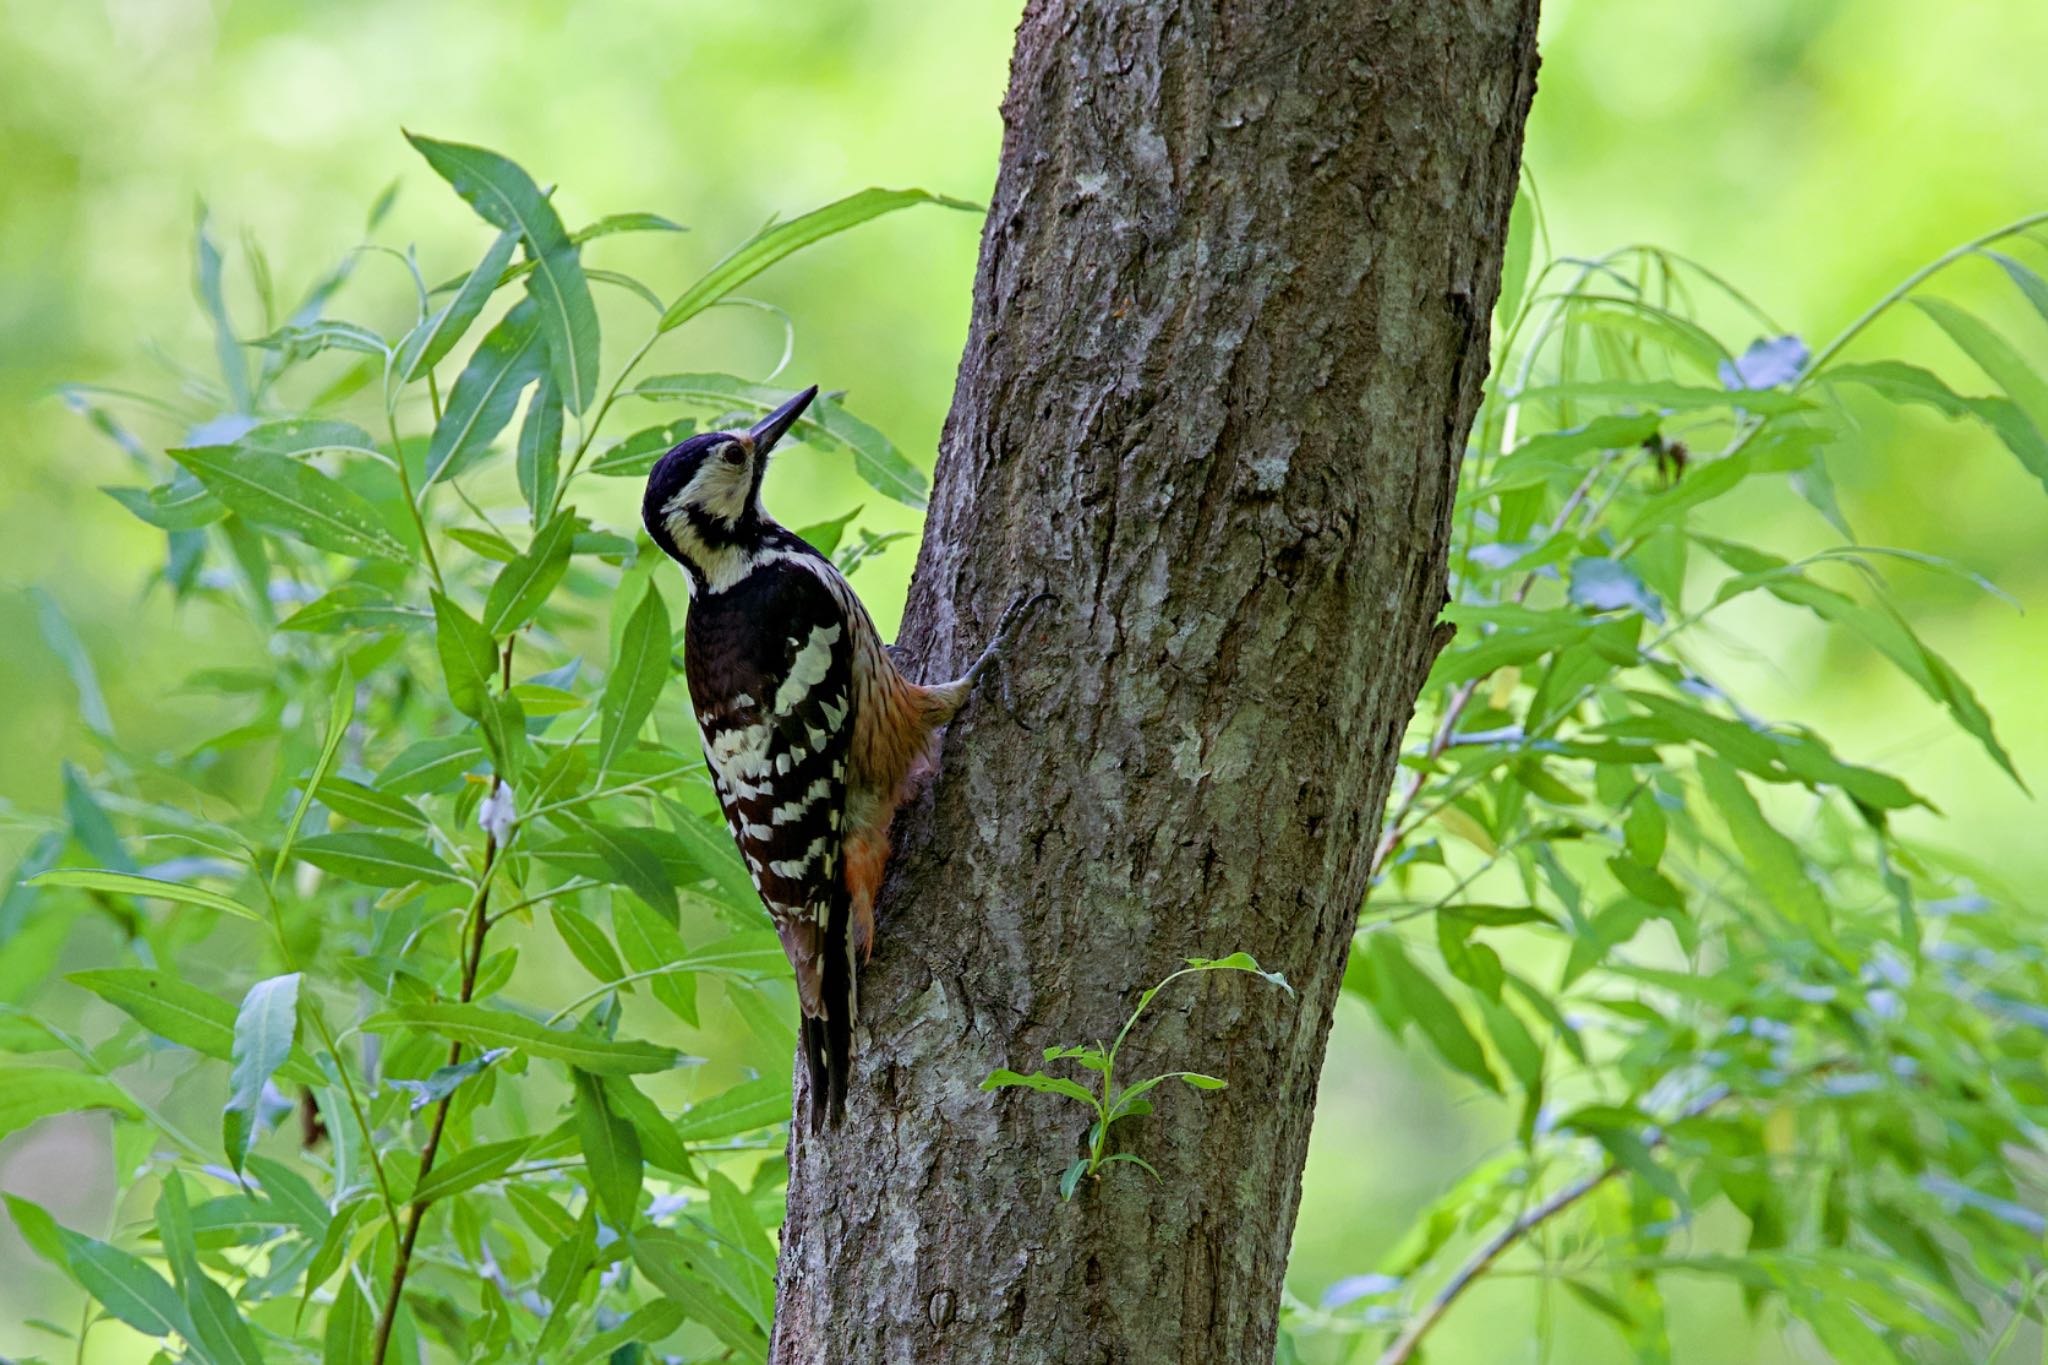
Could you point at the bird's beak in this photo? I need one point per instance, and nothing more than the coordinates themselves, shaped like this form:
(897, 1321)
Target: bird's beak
(772, 428)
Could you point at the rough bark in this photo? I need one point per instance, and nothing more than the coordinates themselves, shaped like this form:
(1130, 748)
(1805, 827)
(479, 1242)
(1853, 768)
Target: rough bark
(1229, 331)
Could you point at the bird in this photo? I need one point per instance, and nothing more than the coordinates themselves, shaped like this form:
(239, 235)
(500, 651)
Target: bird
(812, 735)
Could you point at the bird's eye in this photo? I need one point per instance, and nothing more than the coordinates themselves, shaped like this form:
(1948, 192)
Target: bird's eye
(734, 453)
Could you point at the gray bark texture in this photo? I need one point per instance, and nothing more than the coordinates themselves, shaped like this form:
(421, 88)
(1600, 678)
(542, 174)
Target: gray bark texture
(1229, 331)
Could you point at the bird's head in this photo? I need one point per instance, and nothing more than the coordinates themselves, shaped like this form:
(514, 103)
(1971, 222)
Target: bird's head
(703, 499)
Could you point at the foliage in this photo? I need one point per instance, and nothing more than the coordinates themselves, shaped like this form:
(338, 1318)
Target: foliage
(1745, 1025)
(1745, 1022)
(1115, 1102)
(447, 784)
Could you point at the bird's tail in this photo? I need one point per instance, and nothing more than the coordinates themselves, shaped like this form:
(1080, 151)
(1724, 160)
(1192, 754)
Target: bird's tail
(828, 1035)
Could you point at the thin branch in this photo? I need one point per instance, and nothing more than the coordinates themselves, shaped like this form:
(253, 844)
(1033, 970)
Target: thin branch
(1405, 1345)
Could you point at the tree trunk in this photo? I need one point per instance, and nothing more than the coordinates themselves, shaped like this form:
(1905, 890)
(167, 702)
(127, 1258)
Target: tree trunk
(1229, 330)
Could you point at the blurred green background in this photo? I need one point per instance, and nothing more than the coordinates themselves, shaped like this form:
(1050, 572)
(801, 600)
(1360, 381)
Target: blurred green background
(1813, 152)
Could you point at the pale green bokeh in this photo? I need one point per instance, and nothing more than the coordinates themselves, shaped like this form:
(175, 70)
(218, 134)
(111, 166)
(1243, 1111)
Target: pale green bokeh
(1813, 151)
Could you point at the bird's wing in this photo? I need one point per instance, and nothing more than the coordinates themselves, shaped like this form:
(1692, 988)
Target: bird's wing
(774, 707)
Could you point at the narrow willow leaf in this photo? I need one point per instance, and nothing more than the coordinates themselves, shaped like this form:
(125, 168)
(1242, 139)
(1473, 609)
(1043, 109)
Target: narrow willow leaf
(746, 1108)
(650, 943)
(29, 1093)
(1409, 994)
(1516, 257)
(746, 1245)
(484, 1027)
(635, 456)
(875, 459)
(63, 641)
(369, 805)
(780, 240)
(346, 1336)
(522, 586)
(183, 504)
(354, 606)
(639, 673)
(486, 393)
(632, 861)
(264, 1029)
(375, 859)
(431, 764)
(304, 436)
(587, 943)
(340, 711)
(568, 323)
(168, 1008)
(626, 222)
(484, 544)
(125, 1286)
(674, 1267)
(471, 1168)
(1994, 355)
(218, 1328)
(658, 1141)
(539, 458)
(132, 884)
(1772, 859)
(284, 494)
(611, 1151)
(506, 196)
(323, 334)
(469, 657)
(234, 366)
(434, 338)
(567, 1266)
(650, 1322)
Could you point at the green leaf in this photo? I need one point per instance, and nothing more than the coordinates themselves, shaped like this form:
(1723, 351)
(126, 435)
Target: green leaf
(431, 765)
(484, 1027)
(1420, 999)
(746, 1108)
(470, 1168)
(469, 657)
(506, 196)
(773, 243)
(1995, 356)
(375, 859)
(234, 366)
(133, 884)
(638, 674)
(168, 1008)
(635, 456)
(1071, 1179)
(369, 805)
(303, 436)
(1002, 1077)
(587, 943)
(340, 711)
(538, 461)
(183, 504)
(875, 459)
(323, 334)
(354, 606)
(650, 943)
(436, 336)
(264, 1029)
(744, 1243)
(218, 1329)
(288, 495)
(486, 393)
(29, 1093)
(631, 861)
(1772, 860)
(626, 222)
(672, 1266)
(124, 1285)
(611, 1151)
(523, 585)
(659, 1142)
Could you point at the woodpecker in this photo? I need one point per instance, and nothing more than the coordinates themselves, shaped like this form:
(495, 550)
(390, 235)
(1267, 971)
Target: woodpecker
(812, 736)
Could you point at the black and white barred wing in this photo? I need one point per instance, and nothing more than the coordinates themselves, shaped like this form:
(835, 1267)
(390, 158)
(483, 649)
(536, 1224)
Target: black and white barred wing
(770, 671)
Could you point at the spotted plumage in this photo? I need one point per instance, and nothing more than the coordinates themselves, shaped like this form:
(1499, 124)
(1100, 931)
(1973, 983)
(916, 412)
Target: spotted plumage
(812, 736)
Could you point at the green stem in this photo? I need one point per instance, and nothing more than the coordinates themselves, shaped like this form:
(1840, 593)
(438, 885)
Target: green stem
(589, 432)
(419, 518)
